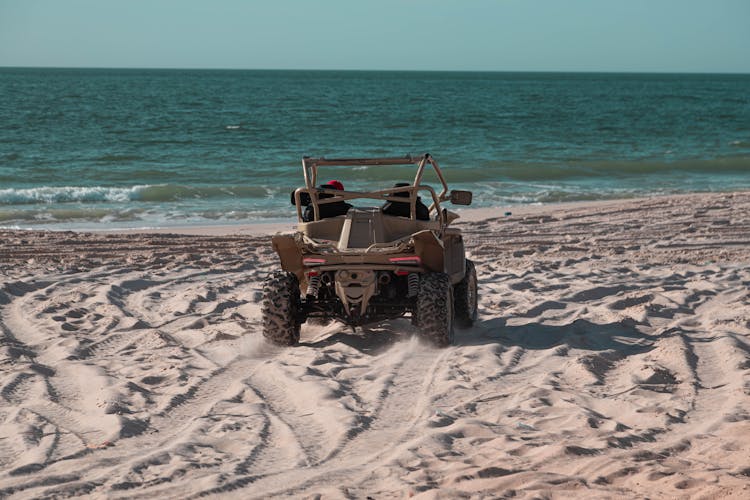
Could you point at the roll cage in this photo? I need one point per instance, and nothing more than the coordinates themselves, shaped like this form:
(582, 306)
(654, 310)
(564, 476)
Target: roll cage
(311, 195)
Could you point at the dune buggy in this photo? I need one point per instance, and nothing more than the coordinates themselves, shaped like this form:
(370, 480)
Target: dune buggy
(368, 265)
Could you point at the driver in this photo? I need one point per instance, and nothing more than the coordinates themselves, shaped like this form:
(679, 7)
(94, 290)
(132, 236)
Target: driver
(327, 209)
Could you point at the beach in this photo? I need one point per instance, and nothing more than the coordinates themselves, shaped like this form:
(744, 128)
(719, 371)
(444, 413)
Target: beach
(611, 359)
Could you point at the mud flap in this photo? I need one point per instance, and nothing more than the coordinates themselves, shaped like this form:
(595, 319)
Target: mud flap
(290, 255)
(430, 249)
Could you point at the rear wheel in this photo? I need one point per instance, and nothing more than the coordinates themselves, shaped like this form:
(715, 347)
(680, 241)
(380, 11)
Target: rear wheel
(281, 303)
(435, 309)
(466, 297)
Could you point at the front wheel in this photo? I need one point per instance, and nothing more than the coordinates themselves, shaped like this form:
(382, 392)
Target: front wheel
(435, 309)
(281, 303)
(466, 297)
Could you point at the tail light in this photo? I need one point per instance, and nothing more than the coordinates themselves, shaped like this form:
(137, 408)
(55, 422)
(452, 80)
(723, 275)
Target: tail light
(413, 260)
(311, 261)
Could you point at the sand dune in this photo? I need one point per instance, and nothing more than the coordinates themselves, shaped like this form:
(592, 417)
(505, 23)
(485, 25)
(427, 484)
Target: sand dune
(611, 360)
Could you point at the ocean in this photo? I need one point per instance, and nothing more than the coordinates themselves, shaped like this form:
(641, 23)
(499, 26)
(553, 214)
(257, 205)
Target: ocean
(116, 148)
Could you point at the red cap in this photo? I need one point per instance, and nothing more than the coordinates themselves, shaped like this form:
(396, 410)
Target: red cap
(336, 184)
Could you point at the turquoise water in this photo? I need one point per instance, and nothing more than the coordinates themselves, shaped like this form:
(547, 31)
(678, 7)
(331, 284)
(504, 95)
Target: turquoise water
(152, 148)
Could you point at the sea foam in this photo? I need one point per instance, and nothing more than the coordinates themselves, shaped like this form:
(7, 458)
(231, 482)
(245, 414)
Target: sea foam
(65, 194)
(145, 193)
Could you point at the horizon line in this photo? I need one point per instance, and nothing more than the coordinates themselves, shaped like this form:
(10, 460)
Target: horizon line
(359, 70)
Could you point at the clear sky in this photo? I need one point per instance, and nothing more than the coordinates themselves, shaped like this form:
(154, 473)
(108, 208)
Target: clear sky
(493, 35)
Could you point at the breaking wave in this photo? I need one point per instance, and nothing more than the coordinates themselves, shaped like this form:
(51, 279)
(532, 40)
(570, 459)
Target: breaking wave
(154, 193)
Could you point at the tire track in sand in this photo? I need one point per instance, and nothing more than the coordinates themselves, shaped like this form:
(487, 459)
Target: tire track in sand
(381, 430)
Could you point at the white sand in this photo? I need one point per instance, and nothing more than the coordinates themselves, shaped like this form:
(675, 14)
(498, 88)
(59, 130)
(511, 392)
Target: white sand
(611, 360)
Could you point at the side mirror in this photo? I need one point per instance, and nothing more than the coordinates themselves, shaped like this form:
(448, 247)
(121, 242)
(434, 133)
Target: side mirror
(461, 197)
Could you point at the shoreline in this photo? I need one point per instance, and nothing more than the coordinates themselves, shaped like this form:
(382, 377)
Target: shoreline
(68, 247)
(466, 215)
